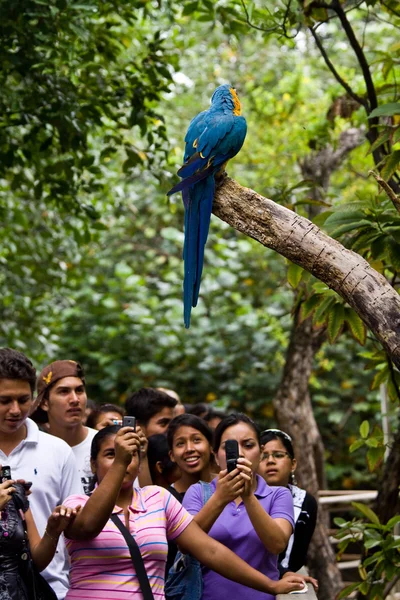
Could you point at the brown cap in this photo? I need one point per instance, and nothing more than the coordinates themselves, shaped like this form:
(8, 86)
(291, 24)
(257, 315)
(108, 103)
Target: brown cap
(54, 372)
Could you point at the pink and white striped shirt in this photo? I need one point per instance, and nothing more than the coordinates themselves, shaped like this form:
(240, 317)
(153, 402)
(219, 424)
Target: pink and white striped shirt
(102, 568)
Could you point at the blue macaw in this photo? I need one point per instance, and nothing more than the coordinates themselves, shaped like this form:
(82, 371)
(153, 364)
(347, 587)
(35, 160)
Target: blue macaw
(213, 137)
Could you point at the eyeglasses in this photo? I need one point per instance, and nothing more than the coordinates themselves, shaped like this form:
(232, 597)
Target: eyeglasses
(277, 455)
(279, 432)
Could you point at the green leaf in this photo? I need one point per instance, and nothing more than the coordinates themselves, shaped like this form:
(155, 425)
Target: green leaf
(357, 327)
(381, 139)
(340, 522)
(396, 136)
(375, 457)
(348, 590)
(364, 429)
(368, 544)
(356, 445)
(309, 305)
(190, 8)
(367, 512)
(391, 165)
(386, 110)
(393, 521)
(321, 313)
(335, 322)
(380, 377)
(294, 274)
(392, 544)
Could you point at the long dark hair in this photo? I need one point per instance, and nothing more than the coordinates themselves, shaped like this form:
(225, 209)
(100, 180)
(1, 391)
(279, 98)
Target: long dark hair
(231, 420)
(188, 420)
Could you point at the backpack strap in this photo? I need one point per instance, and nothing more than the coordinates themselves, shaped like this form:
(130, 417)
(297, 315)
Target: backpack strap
(136, 557)
(206, 491)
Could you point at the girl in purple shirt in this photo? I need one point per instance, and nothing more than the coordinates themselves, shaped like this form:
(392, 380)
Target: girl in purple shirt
(253, 520)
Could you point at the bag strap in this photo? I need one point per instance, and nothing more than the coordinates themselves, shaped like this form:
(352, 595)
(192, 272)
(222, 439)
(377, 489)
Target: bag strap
(206, 491)
(136, 557)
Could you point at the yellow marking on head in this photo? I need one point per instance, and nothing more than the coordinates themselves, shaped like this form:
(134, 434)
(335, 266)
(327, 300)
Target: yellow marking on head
(202, 155)
(48, 378)
(236, 102)
(195, 143)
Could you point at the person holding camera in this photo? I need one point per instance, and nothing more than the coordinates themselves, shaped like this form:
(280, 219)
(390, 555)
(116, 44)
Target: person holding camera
(100, 538)
(20, 541)
(243, 513)
(35, 456)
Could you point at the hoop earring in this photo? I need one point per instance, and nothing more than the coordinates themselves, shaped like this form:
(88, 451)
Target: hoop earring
(293, 479)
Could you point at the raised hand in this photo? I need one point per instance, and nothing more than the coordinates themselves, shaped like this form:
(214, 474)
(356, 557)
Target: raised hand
(144, 444)
(127, 443)
(229, 486)
(246, 473)
(6, 492)
(60, 518)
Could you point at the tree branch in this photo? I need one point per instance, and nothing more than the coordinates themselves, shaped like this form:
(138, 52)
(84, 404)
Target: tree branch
(390, 586)
(391, 9)
(385, 186)
(250, 24)
(373, 102)
(331, 67)
(302, 242)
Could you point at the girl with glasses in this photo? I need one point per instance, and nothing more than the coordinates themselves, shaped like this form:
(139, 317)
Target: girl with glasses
(277, 467)
(243, 513)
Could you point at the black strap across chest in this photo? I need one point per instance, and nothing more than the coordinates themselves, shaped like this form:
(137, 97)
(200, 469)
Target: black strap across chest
(136, 557)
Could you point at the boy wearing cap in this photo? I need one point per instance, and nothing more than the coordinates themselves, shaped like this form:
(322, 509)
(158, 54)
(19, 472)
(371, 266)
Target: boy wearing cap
(62, 394)
(35, 456)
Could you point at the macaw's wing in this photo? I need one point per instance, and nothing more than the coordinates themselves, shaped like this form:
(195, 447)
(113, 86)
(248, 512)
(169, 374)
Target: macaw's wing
(233, 140)
(195, 129)
(218, 127)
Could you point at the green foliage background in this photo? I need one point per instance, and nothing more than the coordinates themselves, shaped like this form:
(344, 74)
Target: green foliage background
(94, 100)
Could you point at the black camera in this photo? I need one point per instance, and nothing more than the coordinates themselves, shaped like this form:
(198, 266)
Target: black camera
(232, 454)
(5, 474)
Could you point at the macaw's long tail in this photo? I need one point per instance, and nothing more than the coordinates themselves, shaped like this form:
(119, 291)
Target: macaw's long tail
(198, 206)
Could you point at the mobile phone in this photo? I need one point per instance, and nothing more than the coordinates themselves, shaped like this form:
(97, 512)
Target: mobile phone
(129, 422)
(27, 485)
(5, 474)
(232, 454)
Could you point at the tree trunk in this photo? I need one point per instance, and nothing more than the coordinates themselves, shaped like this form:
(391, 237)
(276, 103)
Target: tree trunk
(299, 240)
(388, 501)
(294, 413)
(293, 408)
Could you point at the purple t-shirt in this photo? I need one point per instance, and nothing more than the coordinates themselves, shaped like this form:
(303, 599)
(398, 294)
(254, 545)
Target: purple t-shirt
(234, 529)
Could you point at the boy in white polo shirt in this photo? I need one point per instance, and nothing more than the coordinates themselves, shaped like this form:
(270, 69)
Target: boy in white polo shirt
(35, 456)
(62, 394)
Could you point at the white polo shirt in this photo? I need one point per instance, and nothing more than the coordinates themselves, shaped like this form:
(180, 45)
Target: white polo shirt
(82, 456)
(50, 464)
